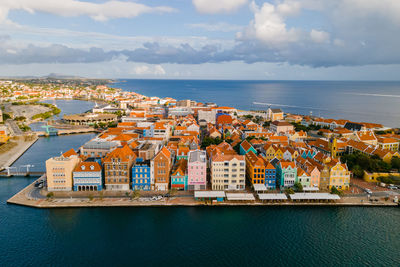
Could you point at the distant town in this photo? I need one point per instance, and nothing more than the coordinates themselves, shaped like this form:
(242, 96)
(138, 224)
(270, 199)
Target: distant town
(152, 150)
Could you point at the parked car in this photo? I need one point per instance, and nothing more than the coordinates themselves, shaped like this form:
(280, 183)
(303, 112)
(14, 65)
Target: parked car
(368, 191)
(393, 187)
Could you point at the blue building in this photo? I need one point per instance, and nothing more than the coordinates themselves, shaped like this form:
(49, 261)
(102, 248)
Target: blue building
(141, 179)
(270, 176)
(87, 176)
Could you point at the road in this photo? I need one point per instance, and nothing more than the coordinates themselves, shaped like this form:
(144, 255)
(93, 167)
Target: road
(14, 127)
(35, 193)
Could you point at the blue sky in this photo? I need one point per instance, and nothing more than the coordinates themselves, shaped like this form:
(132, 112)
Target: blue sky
(202, 39)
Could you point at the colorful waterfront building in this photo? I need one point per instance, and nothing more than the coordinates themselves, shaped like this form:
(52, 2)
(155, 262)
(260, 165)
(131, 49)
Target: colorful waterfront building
(315, 175)
(246, 147)
(197, 170)
(160, 170)
(339, 176)
(117, 168)
(255, 168)
(269, 151)
(141, 175)
(303, 177)
(286, 174)
(228, 172)
(59, 171)
(270, 176)
(324, 178)
(88, 177)
(179, 175)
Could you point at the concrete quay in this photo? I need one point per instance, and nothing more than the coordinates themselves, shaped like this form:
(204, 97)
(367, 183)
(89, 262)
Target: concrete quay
(9, 157)
(34, 197)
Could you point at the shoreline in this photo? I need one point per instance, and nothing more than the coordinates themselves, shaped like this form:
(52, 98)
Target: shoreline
(24, 198)
(17, 152)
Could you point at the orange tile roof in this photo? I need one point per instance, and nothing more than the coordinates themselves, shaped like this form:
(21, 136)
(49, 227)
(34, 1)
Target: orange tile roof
(124, 153)
(246, 145)
(286, 164)
(87, 167)
(123, 137)
(69, 153)
(180, 168)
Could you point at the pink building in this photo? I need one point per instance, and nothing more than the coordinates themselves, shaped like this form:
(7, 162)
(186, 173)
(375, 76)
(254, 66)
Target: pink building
(197, 170)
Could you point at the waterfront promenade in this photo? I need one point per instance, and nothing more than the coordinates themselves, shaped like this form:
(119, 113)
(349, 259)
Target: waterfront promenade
(7, 158)
(33, 197)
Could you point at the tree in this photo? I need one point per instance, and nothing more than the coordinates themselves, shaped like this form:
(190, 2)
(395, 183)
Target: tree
(289, 191)
(266, 124)
(358, 171)
(298, 187)
(50, 195)
(335, 191)
(135, 194)
(6, 116)
(395, 162)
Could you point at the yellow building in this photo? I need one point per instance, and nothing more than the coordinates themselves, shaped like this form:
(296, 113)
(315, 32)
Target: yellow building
(255, 168)
(339, 177)
(373, 177)
(279, 154)
(4, 137)
(387, 143)
(59, 171)
(269, 152)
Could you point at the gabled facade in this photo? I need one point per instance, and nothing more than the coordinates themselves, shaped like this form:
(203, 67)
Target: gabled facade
(197, 170)
(269, 151)
(179, 175)
(314, 177)
(286, 173)
(117, 168)
(324, 178)
(339, 177)
(303, 177)
(161, 166)
(270, 176)
(255, 167)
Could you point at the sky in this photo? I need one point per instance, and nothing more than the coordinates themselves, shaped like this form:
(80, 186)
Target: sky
(202, 39)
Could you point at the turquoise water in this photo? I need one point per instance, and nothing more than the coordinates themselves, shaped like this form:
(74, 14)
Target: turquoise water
(199, 236)
(359, 101)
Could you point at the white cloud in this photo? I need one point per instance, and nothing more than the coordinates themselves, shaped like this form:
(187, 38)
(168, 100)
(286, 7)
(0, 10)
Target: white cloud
(156, 70)
(71, 8)
(319, 36)
(269, 26)
(218, 6)
(289, 8)
(216, 27)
